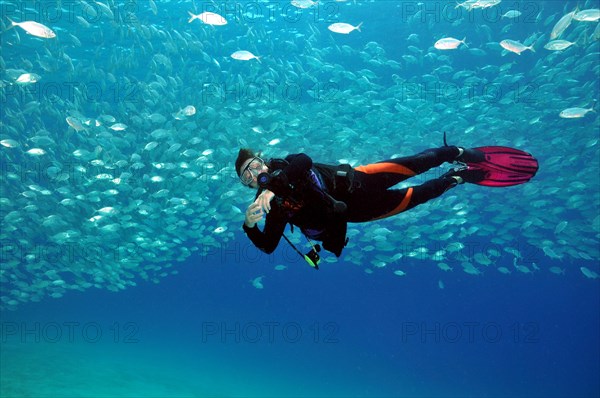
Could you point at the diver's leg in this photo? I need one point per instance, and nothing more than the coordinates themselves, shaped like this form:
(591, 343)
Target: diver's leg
(385, 204)
(390, 172)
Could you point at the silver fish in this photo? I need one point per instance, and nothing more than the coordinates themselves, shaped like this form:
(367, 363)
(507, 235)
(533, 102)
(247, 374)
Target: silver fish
(35, 29)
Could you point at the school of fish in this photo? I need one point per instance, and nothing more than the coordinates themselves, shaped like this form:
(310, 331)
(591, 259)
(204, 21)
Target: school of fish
(121, 123)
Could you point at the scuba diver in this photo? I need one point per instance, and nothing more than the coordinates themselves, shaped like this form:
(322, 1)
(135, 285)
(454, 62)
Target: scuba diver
(321, 199)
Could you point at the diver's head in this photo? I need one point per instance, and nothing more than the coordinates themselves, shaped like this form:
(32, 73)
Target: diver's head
(248, 166)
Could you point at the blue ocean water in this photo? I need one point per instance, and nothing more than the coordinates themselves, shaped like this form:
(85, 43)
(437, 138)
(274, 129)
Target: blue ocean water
(339, 331)
(336, 332)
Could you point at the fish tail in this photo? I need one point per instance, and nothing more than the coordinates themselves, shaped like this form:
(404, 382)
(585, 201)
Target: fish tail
(358, 27)
(463, 41)
(192, 17)
(531, 48)
(258, 58)
(12, 25)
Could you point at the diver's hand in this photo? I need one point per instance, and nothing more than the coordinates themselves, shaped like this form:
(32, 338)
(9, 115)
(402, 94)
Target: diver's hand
(264, 200)
(254, 213)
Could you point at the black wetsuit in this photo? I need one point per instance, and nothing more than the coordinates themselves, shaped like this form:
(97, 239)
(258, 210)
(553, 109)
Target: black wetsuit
(364, 189)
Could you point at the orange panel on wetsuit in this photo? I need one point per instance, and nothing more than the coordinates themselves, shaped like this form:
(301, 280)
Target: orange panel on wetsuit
(400, 208)
(386, 167)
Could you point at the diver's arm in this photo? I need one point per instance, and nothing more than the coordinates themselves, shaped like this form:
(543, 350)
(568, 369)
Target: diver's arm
(268, 239)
